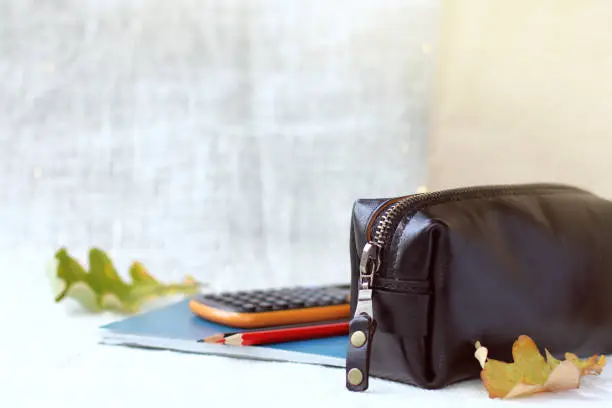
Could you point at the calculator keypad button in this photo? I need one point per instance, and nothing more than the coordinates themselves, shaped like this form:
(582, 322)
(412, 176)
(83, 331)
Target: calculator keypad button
(278, 299)
(249, 307)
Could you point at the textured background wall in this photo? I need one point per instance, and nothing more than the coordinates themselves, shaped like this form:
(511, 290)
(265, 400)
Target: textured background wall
(227, 139)
(524, 93)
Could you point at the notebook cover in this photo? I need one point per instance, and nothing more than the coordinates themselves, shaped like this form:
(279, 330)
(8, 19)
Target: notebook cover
(175, 327)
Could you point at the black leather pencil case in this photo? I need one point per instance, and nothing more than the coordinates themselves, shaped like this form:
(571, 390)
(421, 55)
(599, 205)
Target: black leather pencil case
(433, 273)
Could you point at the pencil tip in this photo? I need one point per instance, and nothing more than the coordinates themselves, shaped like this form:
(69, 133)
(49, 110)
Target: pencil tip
(216, 338)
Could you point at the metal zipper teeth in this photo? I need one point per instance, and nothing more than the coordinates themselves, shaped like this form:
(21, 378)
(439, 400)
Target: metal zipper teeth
(388, 219)
(393, 213)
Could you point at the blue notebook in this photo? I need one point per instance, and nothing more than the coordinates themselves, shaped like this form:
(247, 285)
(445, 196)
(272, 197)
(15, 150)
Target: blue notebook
(176, 328)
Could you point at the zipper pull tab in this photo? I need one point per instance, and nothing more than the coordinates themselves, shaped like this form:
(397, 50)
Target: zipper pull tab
(363, 325)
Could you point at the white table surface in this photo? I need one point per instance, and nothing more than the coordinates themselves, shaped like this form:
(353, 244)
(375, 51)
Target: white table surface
(49, 355)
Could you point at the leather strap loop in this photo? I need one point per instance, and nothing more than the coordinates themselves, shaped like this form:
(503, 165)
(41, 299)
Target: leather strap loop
(358, 355)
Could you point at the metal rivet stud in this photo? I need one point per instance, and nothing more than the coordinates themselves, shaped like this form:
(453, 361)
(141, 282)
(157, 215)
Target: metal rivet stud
(355, 377)
(358, 339)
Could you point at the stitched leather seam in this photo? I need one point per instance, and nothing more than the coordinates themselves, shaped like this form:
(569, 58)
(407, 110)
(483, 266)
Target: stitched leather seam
(402, 286)
(443, 268)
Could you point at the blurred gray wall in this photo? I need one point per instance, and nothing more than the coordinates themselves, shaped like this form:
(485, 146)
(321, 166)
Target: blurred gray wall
(226, 139)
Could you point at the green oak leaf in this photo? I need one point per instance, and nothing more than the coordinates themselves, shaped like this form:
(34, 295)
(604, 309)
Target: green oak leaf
(103, 289)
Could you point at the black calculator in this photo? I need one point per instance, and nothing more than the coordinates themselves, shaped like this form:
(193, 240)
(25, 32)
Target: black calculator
(274, 307)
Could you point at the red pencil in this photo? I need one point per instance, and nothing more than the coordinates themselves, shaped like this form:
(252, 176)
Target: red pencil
(288, 334)
(219, 338)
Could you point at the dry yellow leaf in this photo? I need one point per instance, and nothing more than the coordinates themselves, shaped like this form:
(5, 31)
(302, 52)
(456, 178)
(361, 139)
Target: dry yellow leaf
(531, 373)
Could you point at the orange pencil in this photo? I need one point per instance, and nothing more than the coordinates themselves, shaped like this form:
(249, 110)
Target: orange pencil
(287, 334)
